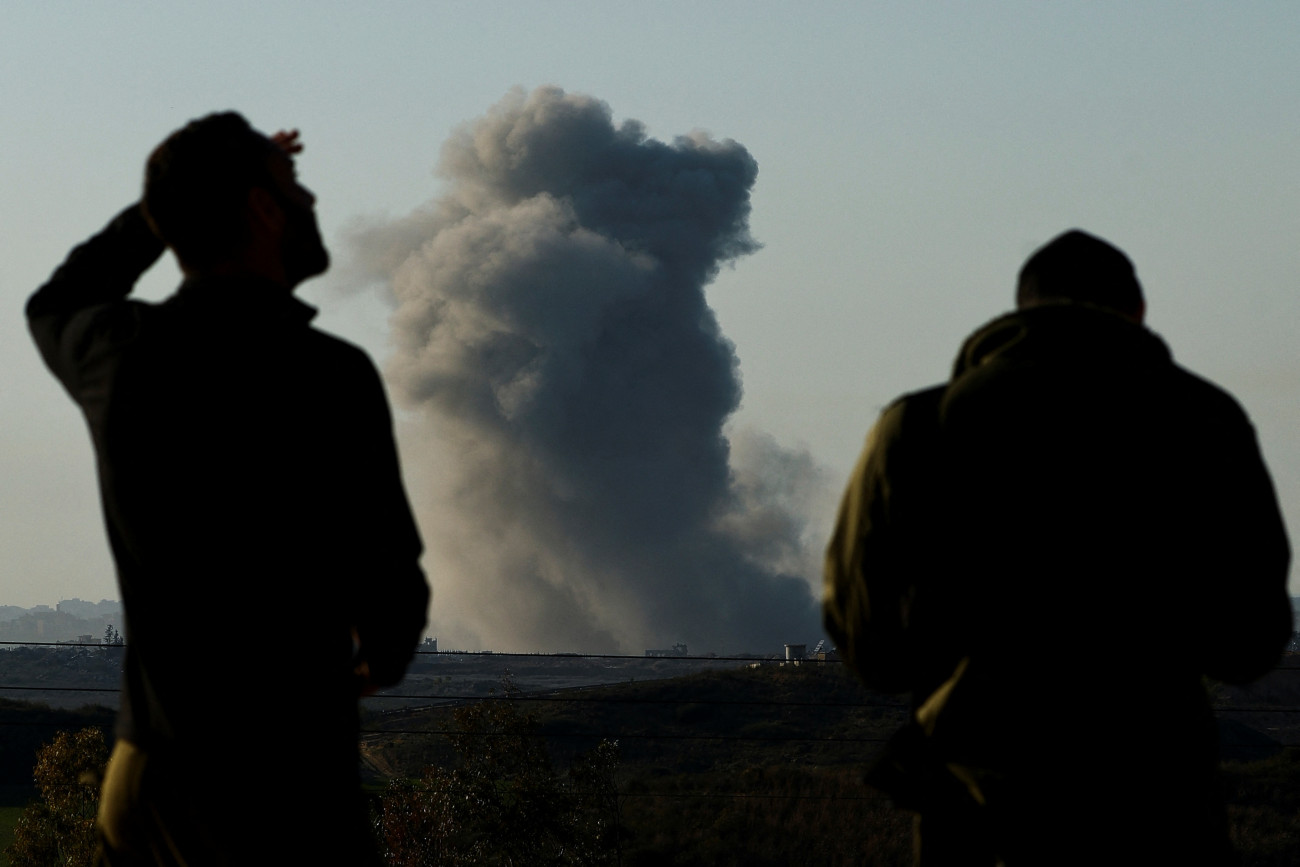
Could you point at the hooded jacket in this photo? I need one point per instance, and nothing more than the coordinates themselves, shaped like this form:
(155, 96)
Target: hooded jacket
(1050, 552)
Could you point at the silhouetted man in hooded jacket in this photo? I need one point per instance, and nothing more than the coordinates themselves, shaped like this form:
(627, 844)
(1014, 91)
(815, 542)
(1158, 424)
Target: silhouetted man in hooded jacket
(265, 551)
(1050, 552)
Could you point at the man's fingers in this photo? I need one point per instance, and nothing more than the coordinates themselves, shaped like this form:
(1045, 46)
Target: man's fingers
(288, 141)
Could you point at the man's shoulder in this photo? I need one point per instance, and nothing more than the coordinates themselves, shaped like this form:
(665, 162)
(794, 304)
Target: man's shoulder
(1206, 399)
(338, 359)
(923, 398)
(1196, 385)
(914, 406)
(336, 347)
(909, 417)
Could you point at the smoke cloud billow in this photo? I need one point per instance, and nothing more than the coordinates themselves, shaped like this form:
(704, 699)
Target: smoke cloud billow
(553, 340)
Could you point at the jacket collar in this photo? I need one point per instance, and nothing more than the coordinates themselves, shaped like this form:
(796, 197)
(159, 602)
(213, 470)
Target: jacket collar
(249, 299)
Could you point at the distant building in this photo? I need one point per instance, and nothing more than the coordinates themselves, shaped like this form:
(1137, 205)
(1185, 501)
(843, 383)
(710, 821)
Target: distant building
(794, 652)
(678, 649)
(44, 624)
(89, 610)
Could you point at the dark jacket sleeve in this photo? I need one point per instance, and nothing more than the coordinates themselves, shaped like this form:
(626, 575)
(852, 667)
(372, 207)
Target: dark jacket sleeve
(1241, 558)
(875, 560)
(392, 592)
(75, 314)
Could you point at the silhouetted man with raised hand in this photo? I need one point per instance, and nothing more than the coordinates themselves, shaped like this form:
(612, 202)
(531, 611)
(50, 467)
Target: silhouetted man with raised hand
(266, 554)
(1050, 552)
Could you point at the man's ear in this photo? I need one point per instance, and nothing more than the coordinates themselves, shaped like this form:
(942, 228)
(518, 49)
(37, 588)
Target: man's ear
(265, 211)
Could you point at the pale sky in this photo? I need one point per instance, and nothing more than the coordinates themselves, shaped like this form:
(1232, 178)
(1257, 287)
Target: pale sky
(910, 156)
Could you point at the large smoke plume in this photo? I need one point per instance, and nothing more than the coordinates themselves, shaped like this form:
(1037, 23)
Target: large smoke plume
(554, 345)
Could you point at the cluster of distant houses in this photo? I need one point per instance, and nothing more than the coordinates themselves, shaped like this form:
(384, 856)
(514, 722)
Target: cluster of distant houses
(72, 620)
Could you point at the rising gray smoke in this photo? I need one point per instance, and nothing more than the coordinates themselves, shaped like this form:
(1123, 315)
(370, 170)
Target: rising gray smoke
(552, 333)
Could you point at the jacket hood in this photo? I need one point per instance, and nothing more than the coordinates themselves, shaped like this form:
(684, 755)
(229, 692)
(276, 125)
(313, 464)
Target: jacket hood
(1064, 334)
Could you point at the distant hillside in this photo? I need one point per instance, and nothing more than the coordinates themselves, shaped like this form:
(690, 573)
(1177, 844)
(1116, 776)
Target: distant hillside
(728, 763)
(742, 766)
(62, 677)
(1256, 715)
(763, 766)
(805, 714)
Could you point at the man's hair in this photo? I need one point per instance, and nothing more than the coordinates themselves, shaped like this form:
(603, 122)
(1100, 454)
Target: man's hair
(196, 185)
(1076, 266)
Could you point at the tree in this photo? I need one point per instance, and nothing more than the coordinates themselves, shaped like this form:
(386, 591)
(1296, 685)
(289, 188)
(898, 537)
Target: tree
(600, 833)
(58, 830)
(504, 803)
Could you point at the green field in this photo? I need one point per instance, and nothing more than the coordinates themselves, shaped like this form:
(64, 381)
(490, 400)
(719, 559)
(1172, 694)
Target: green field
(8, 816)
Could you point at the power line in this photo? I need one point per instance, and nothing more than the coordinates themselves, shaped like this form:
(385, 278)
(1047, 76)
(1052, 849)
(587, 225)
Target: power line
(62, 688)
(618, 736)
(739, 796)
(446, 699)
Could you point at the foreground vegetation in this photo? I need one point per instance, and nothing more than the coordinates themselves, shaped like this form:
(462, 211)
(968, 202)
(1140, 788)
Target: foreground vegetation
(757, 766)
